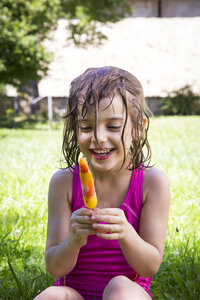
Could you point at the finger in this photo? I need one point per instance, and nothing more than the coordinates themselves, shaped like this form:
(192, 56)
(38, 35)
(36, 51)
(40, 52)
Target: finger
(85, 226)
(83, 231)
(108, 236)
(77, 227)
(87, 231)
(106, 219)
(107, 228)
(83, 212)
(107, 211)
(83, 219)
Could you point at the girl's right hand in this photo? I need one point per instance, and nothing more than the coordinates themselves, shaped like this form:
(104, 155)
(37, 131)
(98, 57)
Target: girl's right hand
(81, 226)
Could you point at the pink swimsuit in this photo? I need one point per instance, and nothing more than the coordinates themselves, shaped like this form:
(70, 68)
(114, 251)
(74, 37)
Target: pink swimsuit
(100, 260)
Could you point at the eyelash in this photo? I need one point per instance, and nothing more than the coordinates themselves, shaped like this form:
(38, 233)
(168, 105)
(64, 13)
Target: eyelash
(85, 128)
(109, 127)
(114, 127)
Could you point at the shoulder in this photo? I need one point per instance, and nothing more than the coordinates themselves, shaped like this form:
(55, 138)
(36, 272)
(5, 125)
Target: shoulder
(154, 181)
(62, 176)
(61, 184)
(154, 176)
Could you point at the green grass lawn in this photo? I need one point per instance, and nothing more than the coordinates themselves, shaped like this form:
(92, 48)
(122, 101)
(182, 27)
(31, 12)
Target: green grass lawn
(28, 160)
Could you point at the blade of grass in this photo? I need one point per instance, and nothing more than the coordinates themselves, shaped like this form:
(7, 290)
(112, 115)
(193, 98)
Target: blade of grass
(18, 241)
(5, 236)
(15, 277)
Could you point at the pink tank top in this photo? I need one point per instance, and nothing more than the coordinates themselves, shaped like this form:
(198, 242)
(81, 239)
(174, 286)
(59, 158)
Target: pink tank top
(100, 260)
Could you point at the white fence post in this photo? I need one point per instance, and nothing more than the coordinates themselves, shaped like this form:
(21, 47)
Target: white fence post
(50, 106)
(50, 109)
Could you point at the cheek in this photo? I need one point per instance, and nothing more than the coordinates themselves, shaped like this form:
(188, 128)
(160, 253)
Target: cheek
(117, 137)
(83, 139)
(83, 144)
(127, 141)
(80, 138)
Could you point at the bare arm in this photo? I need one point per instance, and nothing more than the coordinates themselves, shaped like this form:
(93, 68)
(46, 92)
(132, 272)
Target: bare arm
(148, 246)
(66, 232)
(143, 251)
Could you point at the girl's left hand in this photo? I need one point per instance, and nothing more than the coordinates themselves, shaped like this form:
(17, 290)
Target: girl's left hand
(115, 224)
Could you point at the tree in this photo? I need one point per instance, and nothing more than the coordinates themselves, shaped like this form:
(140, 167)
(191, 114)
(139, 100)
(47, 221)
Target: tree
(24, 24)
(85, 16)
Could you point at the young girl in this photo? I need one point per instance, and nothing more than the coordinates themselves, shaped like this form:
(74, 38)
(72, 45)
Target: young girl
(113, 251)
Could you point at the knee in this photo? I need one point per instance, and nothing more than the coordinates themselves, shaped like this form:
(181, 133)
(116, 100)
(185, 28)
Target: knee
(49, 294)
(115, 288)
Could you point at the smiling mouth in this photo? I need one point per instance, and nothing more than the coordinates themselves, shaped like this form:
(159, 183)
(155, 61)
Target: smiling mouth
(101, 153)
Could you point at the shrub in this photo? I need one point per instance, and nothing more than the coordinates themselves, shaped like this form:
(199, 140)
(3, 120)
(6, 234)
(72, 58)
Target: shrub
(181, 102)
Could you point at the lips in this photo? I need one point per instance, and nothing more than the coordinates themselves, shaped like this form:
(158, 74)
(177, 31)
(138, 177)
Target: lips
(101, 154)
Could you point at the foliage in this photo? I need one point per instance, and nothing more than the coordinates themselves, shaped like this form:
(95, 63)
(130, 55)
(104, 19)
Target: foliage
(28, 160)
(32, 121)
(2, 90)
(181, 102)
(85, 16)
(179, 273)
(24, 24)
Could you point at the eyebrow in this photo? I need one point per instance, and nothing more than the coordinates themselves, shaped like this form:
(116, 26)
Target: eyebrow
(116, 118)
(110, 119)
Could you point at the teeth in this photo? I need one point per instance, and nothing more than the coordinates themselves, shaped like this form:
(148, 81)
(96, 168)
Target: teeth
(101, 152)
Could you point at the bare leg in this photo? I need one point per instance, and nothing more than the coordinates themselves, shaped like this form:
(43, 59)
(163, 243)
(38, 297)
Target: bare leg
(120, 287)
(59, 293)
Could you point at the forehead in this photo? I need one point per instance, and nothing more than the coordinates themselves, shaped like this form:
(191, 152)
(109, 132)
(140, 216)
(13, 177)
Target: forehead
(108, 106)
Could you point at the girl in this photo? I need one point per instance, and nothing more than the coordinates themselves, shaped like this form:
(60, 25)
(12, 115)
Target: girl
(113, 251)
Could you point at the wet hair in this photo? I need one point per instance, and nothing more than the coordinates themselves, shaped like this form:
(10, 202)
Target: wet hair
(88, 89)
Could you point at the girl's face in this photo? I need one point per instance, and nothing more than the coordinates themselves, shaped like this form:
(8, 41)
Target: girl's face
(107, 153)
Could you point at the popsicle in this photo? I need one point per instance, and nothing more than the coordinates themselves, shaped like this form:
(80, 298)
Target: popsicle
(87, 184)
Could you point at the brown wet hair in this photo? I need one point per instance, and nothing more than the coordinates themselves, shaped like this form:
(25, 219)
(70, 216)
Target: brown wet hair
(88, 89)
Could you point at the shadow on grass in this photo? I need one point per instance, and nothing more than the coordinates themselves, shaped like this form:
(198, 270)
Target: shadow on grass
(22, 265)
(23, 274)
(24, 122)
(3, 135)
(22, 270)
(179, 274)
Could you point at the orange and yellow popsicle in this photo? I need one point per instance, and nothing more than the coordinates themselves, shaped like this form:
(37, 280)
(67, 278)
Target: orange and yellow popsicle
(87, 183)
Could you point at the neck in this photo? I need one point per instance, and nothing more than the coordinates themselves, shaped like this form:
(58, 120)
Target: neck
(111, 176)
(112, 190)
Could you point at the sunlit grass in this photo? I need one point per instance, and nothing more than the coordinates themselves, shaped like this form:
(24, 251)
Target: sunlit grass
(28, 160)
(175, 143)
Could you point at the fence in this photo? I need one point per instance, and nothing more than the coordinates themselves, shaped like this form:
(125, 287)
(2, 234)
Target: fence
(53, 107)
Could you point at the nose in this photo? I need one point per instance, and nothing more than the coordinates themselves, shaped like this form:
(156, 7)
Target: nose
(101, 135)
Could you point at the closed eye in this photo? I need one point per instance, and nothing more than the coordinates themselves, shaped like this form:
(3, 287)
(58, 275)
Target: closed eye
(114, 127)
(85, 128)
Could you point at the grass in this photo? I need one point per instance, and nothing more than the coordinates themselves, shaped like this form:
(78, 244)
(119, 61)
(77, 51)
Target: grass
(29, 157)
(175, 142)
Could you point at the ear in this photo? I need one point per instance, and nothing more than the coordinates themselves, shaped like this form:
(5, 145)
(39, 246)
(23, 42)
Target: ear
(141, 128)
(142, 125)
